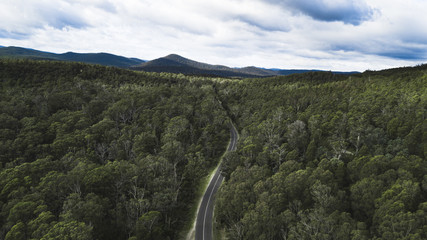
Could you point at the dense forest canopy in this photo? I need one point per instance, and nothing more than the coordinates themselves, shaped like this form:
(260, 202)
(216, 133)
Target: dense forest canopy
(102, 153)
(322, 156)
(92, 152)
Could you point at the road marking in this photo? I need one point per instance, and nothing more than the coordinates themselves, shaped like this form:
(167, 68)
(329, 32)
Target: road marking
(232, 141)
(233, 144)
(207, 205)
(218, 173)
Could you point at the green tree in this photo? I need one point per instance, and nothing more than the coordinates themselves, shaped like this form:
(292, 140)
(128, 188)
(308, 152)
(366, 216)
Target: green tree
(40, 226)
(18, 232)
(147, 226)
(72, 230)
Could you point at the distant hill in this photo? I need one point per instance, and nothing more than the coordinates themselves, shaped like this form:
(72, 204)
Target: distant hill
(176, 64)
(105, 59)
(172, 63)
(295, 71)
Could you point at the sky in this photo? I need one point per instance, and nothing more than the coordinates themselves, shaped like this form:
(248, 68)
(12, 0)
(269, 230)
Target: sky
(340, 35)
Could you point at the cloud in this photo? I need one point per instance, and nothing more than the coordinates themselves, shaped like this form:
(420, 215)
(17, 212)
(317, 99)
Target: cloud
(332, 35)
(61, 18)
(397, 33)
(13, 35)
(20, 18)
(350, 12)
(392, 48)
(405, 53)
(401, 50)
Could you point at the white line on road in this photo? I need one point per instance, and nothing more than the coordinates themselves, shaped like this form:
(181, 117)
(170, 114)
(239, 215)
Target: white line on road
(207, 205)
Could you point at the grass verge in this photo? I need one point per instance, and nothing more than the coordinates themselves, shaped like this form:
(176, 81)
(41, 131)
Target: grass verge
(189, 229)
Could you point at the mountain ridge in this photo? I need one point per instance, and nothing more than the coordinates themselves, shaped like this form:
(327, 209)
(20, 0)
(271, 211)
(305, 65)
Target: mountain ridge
(101, 58)
(177, 64)
(172, 63)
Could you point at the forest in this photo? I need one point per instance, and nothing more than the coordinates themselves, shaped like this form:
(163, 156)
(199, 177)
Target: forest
(91, 152)
(323, 156)
(94, 152)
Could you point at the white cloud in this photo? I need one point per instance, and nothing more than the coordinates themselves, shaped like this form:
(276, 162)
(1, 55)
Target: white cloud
(352, 12)
(375, 34)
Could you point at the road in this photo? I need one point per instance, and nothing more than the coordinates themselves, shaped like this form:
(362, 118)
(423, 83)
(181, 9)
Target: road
(205, 215)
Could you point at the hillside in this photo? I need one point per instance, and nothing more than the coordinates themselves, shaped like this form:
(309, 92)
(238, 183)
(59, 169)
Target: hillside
(325, 156)
(101, 152)
(176, 64)
(105, 59)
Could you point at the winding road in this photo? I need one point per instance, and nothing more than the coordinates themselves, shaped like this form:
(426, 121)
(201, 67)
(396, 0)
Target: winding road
(205, 215)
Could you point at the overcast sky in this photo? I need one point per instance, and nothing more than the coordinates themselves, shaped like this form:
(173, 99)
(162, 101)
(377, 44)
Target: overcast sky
(302, 34)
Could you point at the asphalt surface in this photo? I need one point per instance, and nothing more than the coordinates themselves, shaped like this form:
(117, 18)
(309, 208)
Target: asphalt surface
(205, 215)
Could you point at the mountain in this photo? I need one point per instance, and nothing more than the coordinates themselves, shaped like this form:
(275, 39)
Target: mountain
(172, 63)
(105, 59)
(176, 64)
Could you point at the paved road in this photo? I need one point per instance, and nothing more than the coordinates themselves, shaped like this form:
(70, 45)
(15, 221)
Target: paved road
(204, 217)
